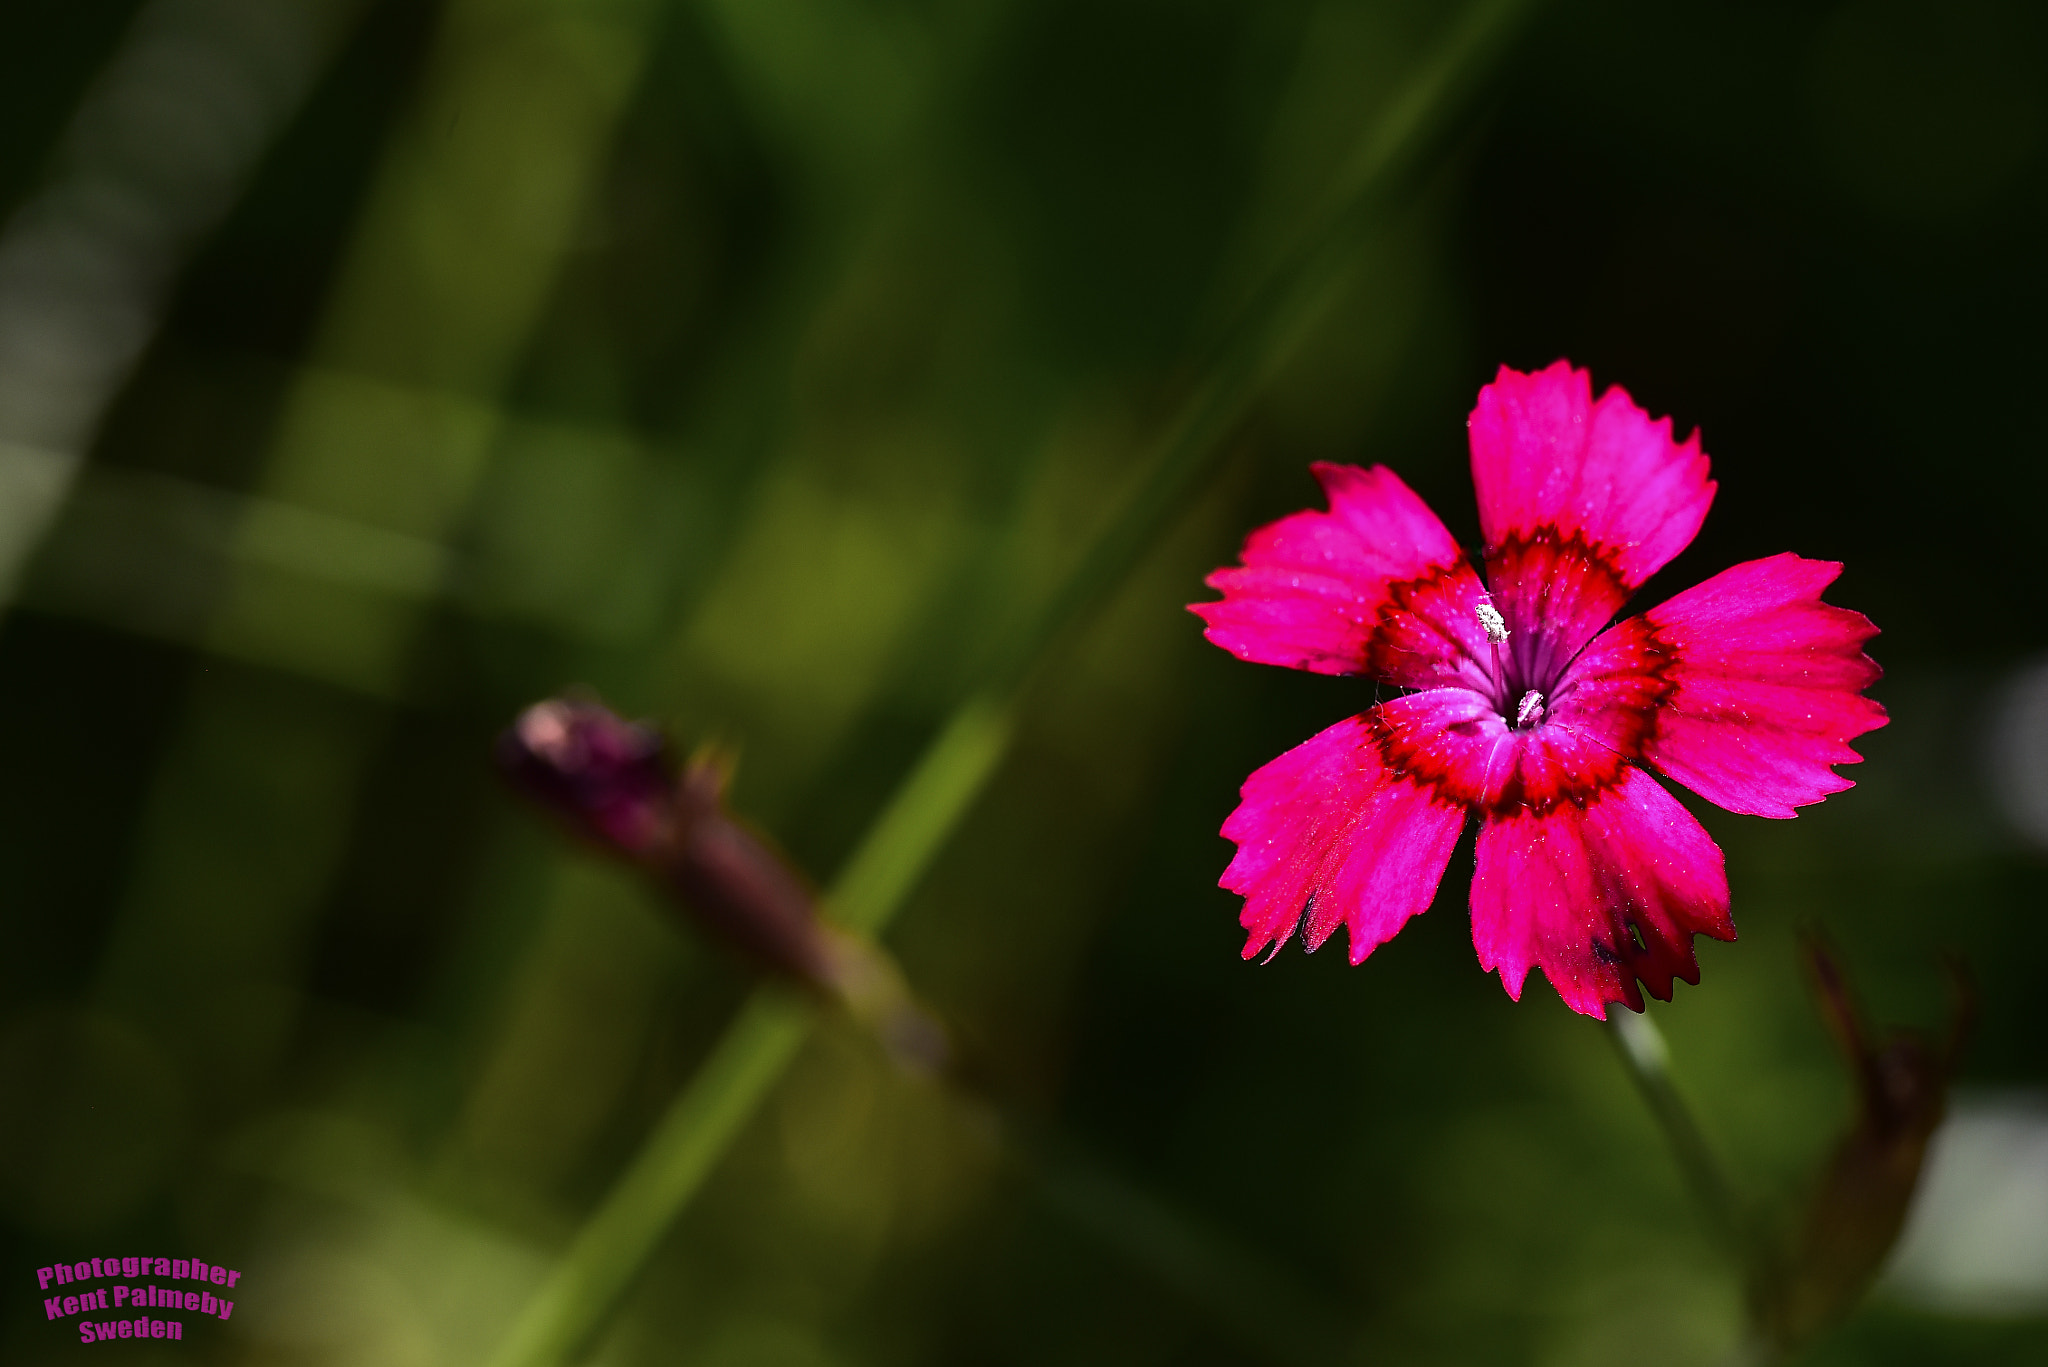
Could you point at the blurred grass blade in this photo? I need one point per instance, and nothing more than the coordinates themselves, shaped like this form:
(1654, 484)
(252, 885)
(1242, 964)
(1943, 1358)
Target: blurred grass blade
(927, 805)
(388, 430)
(967, 751)
(754, 1049)
(669, 1168)
(1388, 162)
(88, 262)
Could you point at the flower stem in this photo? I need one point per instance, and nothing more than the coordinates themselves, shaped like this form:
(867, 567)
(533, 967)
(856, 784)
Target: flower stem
(697, 1127)
(1648, 1060)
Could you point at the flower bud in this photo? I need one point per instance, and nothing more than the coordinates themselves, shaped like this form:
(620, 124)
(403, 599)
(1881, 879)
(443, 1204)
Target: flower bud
(609, 780)
(605, 777)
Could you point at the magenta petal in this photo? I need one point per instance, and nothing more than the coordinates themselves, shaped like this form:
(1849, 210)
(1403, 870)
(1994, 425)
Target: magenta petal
(1329, 834)
(1555, 595)
(1599, 896)
(1373, 586)
(1766, 686)
(1546, 457)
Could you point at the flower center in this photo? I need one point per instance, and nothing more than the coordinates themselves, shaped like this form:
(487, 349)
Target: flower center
(1509, 672)
(1505, 676)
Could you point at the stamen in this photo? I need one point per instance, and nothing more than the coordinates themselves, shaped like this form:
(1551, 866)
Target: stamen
(1496, 625)
(1531, 710)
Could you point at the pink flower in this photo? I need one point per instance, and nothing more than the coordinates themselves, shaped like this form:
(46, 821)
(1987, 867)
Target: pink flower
(1524, 712)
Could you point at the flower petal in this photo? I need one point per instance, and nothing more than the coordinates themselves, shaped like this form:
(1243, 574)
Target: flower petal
(1580, 502)
(1453, 741)
(1766, 686)
(1599, 896)
(1610, 695)
(1554, 595)
(1546, 456)
(1374, 586)
(1329, 833)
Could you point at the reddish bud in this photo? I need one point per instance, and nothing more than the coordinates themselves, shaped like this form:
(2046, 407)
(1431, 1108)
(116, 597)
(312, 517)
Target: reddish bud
(1859, 1204)
(611, 782)
(606, 777)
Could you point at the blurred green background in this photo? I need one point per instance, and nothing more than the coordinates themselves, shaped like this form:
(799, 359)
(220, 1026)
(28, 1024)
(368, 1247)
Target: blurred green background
(761, 366)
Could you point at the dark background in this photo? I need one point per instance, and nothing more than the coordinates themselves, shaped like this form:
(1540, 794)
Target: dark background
(862, 321)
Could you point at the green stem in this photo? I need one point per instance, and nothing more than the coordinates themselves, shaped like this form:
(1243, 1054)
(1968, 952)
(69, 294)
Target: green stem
(899, 846)
(696, 1129)
(752, 1053)
(1648, 1060)
(612, 1246)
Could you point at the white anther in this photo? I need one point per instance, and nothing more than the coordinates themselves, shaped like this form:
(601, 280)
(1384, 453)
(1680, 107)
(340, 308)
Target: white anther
(1531, 709)
(1496, 625)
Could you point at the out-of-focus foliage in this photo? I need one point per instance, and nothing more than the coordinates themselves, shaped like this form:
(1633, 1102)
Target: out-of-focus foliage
(760, 365)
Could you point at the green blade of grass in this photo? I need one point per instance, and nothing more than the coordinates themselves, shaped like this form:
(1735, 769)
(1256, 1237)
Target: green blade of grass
(753, 1051)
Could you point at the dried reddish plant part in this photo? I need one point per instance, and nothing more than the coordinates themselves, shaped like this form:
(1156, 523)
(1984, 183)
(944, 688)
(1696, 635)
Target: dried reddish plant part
(1860, 1201)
